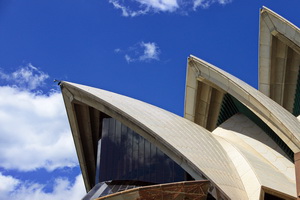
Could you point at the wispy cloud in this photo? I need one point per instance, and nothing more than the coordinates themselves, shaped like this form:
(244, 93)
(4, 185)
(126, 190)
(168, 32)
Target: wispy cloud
(27, 77)
(128, 58)
(142, 7)
(127, 11)
(117, 50)
(12, 188)
(142, 51)
(151, 51)
(208, 3)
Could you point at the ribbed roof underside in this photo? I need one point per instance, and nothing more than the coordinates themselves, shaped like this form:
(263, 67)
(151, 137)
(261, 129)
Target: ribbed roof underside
(283, 123)
(279, 60)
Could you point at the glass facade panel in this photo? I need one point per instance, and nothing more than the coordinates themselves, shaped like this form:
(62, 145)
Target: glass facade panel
(125, 155)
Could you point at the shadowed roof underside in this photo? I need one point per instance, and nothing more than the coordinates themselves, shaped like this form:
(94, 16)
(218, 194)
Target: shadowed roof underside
(283, 123)
(279, 60)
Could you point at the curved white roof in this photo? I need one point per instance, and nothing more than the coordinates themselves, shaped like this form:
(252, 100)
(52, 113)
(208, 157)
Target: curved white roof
(279, 58)
(258, 159)
(191, 146)
(283, 123)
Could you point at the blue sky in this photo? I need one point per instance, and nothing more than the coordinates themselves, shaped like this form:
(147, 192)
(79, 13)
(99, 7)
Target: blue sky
(137, 48)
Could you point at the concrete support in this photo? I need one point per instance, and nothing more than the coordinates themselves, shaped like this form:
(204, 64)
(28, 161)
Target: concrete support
(297, 171)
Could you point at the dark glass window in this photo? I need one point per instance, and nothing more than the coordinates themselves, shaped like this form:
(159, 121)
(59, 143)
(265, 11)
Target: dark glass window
(272, 197)
(125, 155)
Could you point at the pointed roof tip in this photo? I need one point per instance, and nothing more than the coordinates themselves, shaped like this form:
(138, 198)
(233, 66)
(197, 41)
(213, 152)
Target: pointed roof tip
(266, 9)
(57, 81)
(190, 56)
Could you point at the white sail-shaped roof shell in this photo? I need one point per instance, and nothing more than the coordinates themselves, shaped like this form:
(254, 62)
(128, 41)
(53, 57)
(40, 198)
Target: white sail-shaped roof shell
(198, 151)
(282, 122)
(279, 58)
(195, 149)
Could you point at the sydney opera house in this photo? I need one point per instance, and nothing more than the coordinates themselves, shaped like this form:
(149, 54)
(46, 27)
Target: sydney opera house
(234, 141)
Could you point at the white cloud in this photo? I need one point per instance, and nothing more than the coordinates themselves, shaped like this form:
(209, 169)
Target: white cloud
(208, 3)
(143, 51)
(160, 5)
(142, 7)
(128, 58)
(117, 50)
(34, 131)
(126, 11)
(28, 77)
(12, 188)
(34, 127)
(8, 184)
(145, 6)
(151, 51)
